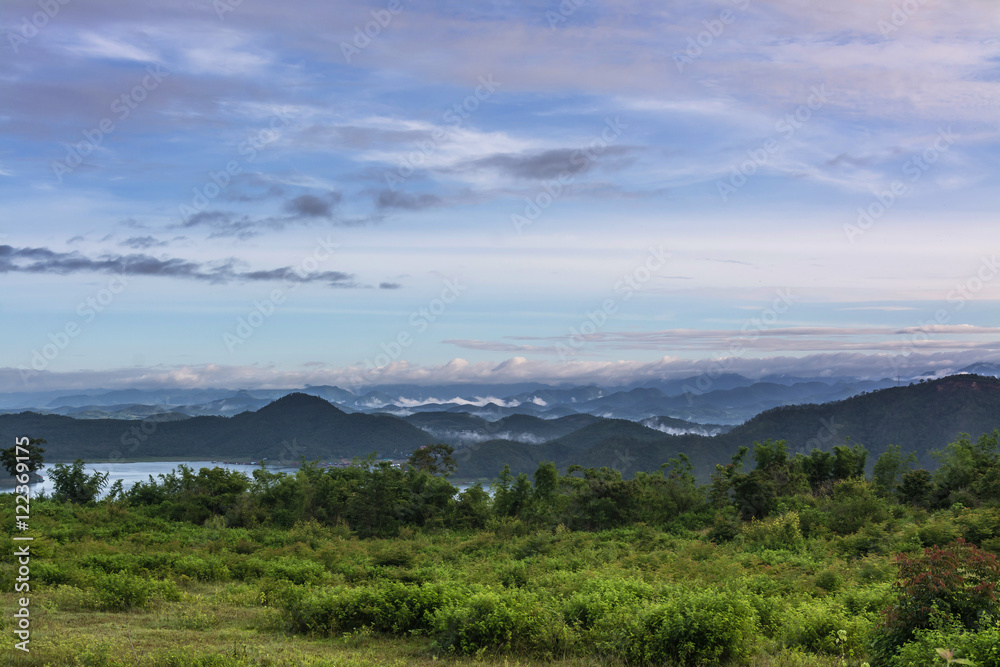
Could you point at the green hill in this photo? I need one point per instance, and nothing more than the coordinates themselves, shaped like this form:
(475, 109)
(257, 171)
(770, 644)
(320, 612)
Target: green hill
(920, 418)
(293, 426)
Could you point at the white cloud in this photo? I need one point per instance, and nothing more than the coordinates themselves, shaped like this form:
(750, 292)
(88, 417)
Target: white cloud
(609, 373)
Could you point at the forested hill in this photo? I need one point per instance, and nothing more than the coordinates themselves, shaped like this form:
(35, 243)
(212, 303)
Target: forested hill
(293, 426)
(920, 418)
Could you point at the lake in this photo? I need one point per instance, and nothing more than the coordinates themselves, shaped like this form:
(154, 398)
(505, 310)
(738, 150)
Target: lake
(139, 471)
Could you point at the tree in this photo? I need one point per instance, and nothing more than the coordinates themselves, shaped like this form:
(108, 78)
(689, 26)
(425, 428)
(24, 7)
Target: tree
(890, 468)
(435, 459)
(73, 484)
(755, 493)
(956, 584)
(546, 481)
(969, 467)
(9, 456)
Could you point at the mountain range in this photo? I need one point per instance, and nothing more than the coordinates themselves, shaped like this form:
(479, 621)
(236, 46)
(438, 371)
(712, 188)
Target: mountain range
(920, 417)
(723, 399)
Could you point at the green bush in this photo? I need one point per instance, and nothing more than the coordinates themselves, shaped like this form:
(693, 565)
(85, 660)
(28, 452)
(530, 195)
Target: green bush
(202, 568)
(386, 606)
(829, 580)
(854, 505)
(982, 648)
(814, 625)
(601, 597)
(297, 570)
(937, 533)
(780, 532)
(46, 572)
(687, 628)
(953, 587)
(121, 591)
(486, 620)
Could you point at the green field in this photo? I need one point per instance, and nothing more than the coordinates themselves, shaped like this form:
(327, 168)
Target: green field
(373, 565)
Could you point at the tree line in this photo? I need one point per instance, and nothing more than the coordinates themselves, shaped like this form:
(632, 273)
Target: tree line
(374, 498)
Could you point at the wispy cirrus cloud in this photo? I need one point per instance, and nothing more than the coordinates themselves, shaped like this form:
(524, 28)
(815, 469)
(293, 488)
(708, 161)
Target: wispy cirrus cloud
(759, 337)
(510, 370)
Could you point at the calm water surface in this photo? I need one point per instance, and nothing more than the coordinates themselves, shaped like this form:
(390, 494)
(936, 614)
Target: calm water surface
(130, 473)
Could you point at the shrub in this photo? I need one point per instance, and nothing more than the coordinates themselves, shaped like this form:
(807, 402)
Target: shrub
(937, 533)
(50, 573)
(386, 606)
(813, 626)
(601, 597)
(297, 570)
(486, 620)
(206, 568)
(394, 555)
(982, 648)
(955, 585)
(691, 627)
(121, 591)
(854, 506)
(780, 532)
(514, 575)
(829, 580)
(71, 598)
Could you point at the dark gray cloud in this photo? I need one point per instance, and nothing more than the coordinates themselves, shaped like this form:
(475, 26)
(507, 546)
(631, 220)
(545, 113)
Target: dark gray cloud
(390, 199)
(46, 261)
(389, 286)
(311, 206)
(225, 224)
(142, 242)
(551, 163)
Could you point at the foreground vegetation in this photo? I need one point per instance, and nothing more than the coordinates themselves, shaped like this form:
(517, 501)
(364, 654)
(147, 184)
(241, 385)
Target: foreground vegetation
(797, 561)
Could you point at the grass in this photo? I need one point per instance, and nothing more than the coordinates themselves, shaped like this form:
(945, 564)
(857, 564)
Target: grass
(218, 596)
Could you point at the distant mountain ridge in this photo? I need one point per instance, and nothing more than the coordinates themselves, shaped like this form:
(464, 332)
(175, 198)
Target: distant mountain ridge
(723, 399)
(287, 429)
(920, 418)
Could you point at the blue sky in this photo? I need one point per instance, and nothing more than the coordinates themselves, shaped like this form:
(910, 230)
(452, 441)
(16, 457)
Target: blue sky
(246, 193)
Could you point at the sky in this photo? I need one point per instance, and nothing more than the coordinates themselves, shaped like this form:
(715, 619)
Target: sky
(241, 193)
